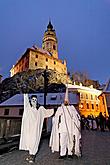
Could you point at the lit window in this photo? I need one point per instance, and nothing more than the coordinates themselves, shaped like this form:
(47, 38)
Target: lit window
(96, 97)
(91, 97)
(81, 95)
(81, 105)
(86, 96)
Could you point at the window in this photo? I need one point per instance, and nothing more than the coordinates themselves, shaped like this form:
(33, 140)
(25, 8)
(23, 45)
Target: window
(36, 56)
(54, 47)
(81, 106)
(50, 45)
(21, 111)
(86, 96)
(54, 62)
(46, 67)
(46, 59)
(92, 106)
(53, 97)
(87, 106)
(6, 112)
(91, 97)
(81, 95)
(96, 97)
(35, 63)
(96, 107)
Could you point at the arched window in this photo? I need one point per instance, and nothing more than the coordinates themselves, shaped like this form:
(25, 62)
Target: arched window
(54, 47)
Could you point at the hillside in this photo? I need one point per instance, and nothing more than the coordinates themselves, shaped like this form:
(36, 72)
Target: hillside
(31, 81)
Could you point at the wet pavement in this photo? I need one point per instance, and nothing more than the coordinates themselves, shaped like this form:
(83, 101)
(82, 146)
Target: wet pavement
(95, 151)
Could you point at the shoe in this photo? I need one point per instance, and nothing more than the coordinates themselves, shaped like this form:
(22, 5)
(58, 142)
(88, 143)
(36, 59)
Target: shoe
(27, 158)
(62, 157)
(70, 156)
(77, 156)
(31, 159)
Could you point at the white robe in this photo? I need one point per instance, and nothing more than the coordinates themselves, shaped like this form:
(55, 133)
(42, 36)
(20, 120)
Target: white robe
(77, 131)
(32, 123)
(69, 121)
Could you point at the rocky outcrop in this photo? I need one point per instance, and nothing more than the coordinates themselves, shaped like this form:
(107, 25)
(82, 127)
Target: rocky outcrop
(32, 81)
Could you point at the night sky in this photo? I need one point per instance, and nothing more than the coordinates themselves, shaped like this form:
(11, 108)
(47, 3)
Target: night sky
(82, 28)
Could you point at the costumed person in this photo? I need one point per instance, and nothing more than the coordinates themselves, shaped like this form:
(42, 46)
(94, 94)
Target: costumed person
(32, 124)
(66, 127)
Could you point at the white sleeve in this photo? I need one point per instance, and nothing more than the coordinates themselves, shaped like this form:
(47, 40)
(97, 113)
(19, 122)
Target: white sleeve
(26, 103)
(57, 116)
(47, 112)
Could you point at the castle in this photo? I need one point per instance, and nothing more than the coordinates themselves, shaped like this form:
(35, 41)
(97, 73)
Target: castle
(42, 58)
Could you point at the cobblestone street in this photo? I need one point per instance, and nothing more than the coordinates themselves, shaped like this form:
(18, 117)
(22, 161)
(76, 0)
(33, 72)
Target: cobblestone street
(95, 151)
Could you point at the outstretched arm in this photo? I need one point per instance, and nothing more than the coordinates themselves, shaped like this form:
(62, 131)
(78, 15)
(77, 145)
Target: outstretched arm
(48, 112)
(26, 103)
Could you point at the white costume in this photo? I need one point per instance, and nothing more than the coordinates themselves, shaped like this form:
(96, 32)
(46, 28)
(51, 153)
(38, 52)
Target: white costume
(77, 150)
(66, 124)
(32, 123)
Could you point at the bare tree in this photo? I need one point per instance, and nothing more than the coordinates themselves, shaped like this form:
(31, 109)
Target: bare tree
(82, 77)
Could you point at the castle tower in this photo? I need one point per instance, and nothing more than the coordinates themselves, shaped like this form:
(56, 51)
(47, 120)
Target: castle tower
(50, 42)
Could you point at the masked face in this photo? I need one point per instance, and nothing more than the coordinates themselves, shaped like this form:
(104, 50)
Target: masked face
(33, 101)
(66, 103)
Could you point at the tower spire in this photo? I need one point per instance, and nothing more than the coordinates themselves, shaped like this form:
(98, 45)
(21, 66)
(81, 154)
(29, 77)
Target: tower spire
(49, 26)
(50, 42)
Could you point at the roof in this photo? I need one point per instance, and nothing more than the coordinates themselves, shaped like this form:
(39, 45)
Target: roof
(52, 99)
(84, 88)
(36, 48)
(50, 26)
(107, 87)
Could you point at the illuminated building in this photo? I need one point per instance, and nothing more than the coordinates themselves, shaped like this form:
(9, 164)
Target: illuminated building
(42, 58)
(89, 103)
(105, 99)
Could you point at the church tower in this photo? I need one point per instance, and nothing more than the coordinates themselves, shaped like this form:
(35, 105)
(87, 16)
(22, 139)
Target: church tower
(50, 42)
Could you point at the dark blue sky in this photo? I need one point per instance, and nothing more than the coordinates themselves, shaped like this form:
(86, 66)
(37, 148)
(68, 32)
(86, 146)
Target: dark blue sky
(82, 28)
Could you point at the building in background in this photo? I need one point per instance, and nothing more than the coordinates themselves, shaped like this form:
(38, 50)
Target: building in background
(105, 98)
(42, 58)
(89, 103)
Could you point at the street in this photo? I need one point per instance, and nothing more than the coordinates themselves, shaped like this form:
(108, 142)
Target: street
(95, 151)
